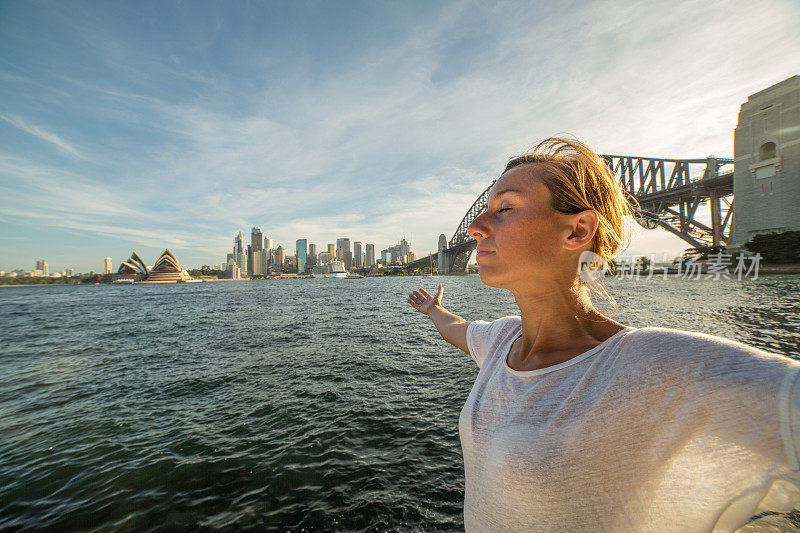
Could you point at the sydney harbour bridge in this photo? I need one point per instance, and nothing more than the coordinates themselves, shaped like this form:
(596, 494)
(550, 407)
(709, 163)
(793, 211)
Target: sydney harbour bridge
(669, 193)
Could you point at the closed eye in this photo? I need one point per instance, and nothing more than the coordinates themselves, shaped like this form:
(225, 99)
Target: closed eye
(504, 209)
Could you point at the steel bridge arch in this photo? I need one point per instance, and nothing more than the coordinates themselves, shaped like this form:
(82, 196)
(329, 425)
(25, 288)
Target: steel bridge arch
(668, 193)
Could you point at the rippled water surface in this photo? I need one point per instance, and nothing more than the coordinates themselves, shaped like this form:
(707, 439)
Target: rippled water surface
(295, 404)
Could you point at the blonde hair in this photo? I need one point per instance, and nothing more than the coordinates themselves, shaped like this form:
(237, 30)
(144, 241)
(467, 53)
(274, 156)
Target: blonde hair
(578, 179)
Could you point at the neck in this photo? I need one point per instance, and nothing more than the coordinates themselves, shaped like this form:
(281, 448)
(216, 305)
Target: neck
(558, 325)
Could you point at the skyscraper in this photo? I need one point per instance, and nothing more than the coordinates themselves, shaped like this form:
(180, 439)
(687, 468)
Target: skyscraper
(42, 265)
(370, 255)
(107, 267)
(342, 246)
(256, 239)
(357, 254)
(238, 244)
(312, 255)
(300, 251)
(249, 260)
(332, 251)
(267, 243)
(280, 257)
(239, 253)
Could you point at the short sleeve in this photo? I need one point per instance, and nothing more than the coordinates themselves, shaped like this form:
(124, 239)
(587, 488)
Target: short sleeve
(478, 339)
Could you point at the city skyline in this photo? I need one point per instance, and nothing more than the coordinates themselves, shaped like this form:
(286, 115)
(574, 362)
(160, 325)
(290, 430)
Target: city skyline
(152, 125)
(262, 258)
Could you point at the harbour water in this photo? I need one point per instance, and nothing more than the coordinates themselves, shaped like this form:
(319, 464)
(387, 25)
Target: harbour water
(315, 404)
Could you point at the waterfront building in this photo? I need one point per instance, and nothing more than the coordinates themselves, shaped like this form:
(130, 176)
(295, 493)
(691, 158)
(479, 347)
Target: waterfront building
(300, 255)
(167, 270)
(332, 251)
(42, 265)
(134, 269)
(357, 258)
(369, 256)
(232, 271)
(256, 239)
(348, 259)
(239, 253)
(766, 151)
(107, 266)
(386, 256)
(259, 263)
(249, 254)
(342, 246)
(311, 258)
(400, 253)
(324, 258)
(280, 257)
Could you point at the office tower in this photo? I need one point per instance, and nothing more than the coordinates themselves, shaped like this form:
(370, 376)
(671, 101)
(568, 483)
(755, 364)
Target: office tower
(267, 243)
(348, 259)
(369, 259)
(232, 271)
(280, 257)
(263, 262)
(300, 254)
(311, 258)
(256, 239)
(342, 246)
(107, 268)
(259, 263)
(386, 256)
(248, 261)
(239, 253)
(42, 265)
(332, 251)
(357, 255)
(324, 258)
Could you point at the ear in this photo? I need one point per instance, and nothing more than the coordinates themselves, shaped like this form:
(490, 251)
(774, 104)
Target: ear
(583, 226)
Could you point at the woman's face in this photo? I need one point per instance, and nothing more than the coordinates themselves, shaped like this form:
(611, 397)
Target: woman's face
(519, 235)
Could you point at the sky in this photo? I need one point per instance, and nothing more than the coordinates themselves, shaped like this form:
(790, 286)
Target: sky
(139, 126)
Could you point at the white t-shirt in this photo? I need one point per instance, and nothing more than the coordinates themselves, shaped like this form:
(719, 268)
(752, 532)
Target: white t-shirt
(653, 430)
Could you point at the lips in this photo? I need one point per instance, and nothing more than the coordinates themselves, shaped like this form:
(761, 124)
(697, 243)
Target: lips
(482, 253)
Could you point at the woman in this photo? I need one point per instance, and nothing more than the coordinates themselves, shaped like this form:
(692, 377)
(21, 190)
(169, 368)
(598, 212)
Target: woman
(579, 423)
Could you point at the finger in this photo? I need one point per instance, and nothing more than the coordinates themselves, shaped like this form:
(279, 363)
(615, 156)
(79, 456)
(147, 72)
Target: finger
(426, 293)
(440, 293)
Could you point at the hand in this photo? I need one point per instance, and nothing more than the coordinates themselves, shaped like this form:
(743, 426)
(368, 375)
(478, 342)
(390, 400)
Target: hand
(423, 302)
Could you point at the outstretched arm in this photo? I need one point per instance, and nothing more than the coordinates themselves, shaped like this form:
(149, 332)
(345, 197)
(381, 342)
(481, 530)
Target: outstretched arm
(451, 327)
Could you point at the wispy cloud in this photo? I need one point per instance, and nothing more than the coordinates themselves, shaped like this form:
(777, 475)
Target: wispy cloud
(41, 133)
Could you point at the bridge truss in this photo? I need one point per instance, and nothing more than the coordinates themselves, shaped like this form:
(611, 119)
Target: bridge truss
(668, 193)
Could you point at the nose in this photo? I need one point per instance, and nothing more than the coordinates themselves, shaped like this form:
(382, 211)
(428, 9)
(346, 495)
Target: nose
(477, 229)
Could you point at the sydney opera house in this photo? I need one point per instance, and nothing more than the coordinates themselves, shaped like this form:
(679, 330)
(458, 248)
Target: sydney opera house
(166, 270)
